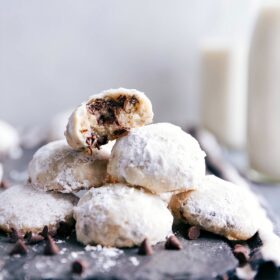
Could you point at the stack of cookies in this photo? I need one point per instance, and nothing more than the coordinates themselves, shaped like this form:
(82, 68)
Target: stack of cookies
(138, 176)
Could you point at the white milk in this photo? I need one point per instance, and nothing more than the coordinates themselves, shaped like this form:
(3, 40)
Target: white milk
(264, 95)
(223, 92)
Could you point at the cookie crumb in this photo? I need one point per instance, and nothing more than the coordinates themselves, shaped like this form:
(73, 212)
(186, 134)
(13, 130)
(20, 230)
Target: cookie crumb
(145, 248)
(173, 243)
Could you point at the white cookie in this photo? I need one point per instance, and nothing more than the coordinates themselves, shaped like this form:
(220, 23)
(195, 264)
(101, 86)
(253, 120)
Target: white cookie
(57, 167)
(9, 139)
(220, 207)
(159, 157)
(121, 216)
(107, 116)
(27, 209)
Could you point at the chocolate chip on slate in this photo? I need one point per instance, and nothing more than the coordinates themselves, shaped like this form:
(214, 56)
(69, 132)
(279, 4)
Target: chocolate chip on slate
(173, 243)
(19, 248)
(241, 253)
(45, 232)
(145, 248)
(51, 248)
(267, 270)
(193, 232)
(79, 266)
(15, 235)
(4, 184)
(32, 238)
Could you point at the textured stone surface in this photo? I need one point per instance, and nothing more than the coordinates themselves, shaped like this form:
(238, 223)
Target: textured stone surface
(204, 258)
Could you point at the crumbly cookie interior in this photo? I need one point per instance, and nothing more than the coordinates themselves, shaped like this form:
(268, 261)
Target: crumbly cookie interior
(111, 117)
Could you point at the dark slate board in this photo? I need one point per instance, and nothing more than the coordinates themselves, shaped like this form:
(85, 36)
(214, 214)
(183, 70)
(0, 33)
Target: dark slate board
(205, 258)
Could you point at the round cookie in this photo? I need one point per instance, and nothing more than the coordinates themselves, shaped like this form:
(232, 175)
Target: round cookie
(26, 209)
(220, 207)
(120, 216)
(107, 116)
(159, 157)
(9, 139)
(57, 167)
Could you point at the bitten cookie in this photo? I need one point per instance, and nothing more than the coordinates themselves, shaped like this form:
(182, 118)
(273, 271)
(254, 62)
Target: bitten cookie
(26, 209)
(57, 167)
(121, 216)
(220, 207)
(9, 139)
(159, 157)
(107, 116)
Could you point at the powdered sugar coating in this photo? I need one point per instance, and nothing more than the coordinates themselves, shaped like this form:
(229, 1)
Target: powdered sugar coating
(159, 157)
(9, 138)
(57, 167)
(26, 209)
(82, 123)
(220, 207)
(121, 216)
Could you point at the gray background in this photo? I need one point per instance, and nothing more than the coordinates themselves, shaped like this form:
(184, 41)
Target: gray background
(55, 53)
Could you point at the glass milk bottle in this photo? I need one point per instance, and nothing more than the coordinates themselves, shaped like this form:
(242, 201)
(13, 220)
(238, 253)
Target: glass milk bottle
(223, 91)
(264, 96)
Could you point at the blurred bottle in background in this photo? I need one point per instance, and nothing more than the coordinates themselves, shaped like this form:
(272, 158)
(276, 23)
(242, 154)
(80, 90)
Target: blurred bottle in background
(223, 92)
(264, 96)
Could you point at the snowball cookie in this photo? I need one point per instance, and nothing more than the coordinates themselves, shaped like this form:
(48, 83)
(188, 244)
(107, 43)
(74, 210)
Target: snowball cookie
(9, 139)
(107, 116)
(120, 216)
(57, 167)
(159, 157)
(26, 209)
(220, 207)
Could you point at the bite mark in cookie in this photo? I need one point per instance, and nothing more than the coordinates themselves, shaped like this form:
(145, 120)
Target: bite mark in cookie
(107, 116)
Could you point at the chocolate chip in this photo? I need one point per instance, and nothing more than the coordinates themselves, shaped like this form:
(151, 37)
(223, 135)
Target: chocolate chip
(15, 235)
(119, 132)
(133, 100)
(32, 238)
(267, 270)
(145, 248)
(193, 232)
(108, 118)
(241, 253)
(4, 184)
(19, 248)
(45, 232)
(79, 266)
(121, 100)
(102, 140)
(96, 106)
(173, 243)
(51, 248)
